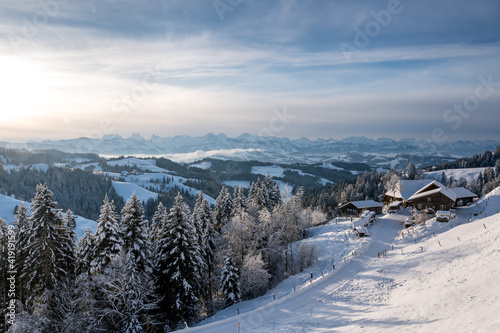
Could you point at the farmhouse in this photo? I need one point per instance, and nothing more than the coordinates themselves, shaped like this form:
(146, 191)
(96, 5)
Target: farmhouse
(428, 193)
(439, 197)
(404, 190)
(355, 208)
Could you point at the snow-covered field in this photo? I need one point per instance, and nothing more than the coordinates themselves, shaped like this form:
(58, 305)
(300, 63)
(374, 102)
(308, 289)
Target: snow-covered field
(8, 204)
(468, 174)
(125, 190)
(437, 277)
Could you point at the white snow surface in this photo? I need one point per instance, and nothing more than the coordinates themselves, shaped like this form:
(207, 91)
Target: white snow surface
(468, 173)
(7, 205)
(274, 171)
(125, 190)
(140, 164)
(435, 277)
(242, 183)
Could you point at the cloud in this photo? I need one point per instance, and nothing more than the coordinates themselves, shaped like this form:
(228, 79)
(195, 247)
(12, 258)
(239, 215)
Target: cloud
(176, 67)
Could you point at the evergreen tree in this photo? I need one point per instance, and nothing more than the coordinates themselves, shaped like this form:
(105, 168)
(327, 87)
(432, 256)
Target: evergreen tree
(4, 268)
(230, 282)
(412, 171)
(240, 204)
(256, 195)
(84, 252)
(158, 222)
(69, 240)
(108, 239)
(223, 208)
(135, 234)
(21, 221)
(271, 192)
(178, 262)
(203, 219)
(47, 250)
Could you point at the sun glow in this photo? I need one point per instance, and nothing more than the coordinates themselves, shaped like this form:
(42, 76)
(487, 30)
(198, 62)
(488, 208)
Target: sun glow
(24, 87)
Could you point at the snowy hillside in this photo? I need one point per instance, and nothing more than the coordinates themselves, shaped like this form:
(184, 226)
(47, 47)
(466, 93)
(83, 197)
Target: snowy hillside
(7, 206)
(438, 277)
(468, 173)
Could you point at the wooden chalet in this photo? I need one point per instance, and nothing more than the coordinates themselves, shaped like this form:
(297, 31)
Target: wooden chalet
(355, 208)
(439, 197)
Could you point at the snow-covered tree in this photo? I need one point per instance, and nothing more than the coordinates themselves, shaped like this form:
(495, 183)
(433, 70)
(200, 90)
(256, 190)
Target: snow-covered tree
(207, 237)
(264, 194)
(158, 222)
(48, 253)
(230, 282)
(177, 266)
(84, 252)
(241, 235)
(272, 192)
(223, 208)
(412, 171)
(128, 295)
(71, 239)
(256, 195)
(4, 268)
(254, 277)
(135, 234)
(108, 239)
(240, 204)
(21, 221)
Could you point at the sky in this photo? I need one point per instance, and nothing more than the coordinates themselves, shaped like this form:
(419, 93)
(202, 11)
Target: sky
(426, 69)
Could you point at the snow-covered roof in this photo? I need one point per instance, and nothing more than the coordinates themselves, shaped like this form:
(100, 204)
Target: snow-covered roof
(407, 188)
(366, 204)
(462, 192)
(395, 204)
(440, 189)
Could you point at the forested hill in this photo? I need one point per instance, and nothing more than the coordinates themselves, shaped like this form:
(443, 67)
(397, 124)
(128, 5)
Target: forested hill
(487, 159)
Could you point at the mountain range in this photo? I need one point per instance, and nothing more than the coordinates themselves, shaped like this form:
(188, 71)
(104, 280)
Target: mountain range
(250, 147)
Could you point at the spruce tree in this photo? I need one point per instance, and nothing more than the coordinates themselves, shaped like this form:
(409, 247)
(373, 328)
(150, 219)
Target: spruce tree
(207, 237)
(84, 251)
(47, 249)
(256, 195)
(21, 221)
(108, 239)
(4, 268)
(230, 282)
(240, 204)
(178, 262)
(223, 208)
(272, 194)
(158, 222)
(70, 239)
(135, 234)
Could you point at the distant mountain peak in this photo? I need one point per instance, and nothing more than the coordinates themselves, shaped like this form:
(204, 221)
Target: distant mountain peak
(137, 137)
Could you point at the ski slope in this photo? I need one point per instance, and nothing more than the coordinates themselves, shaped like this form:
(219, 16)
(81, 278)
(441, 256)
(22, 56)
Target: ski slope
(440, 277)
